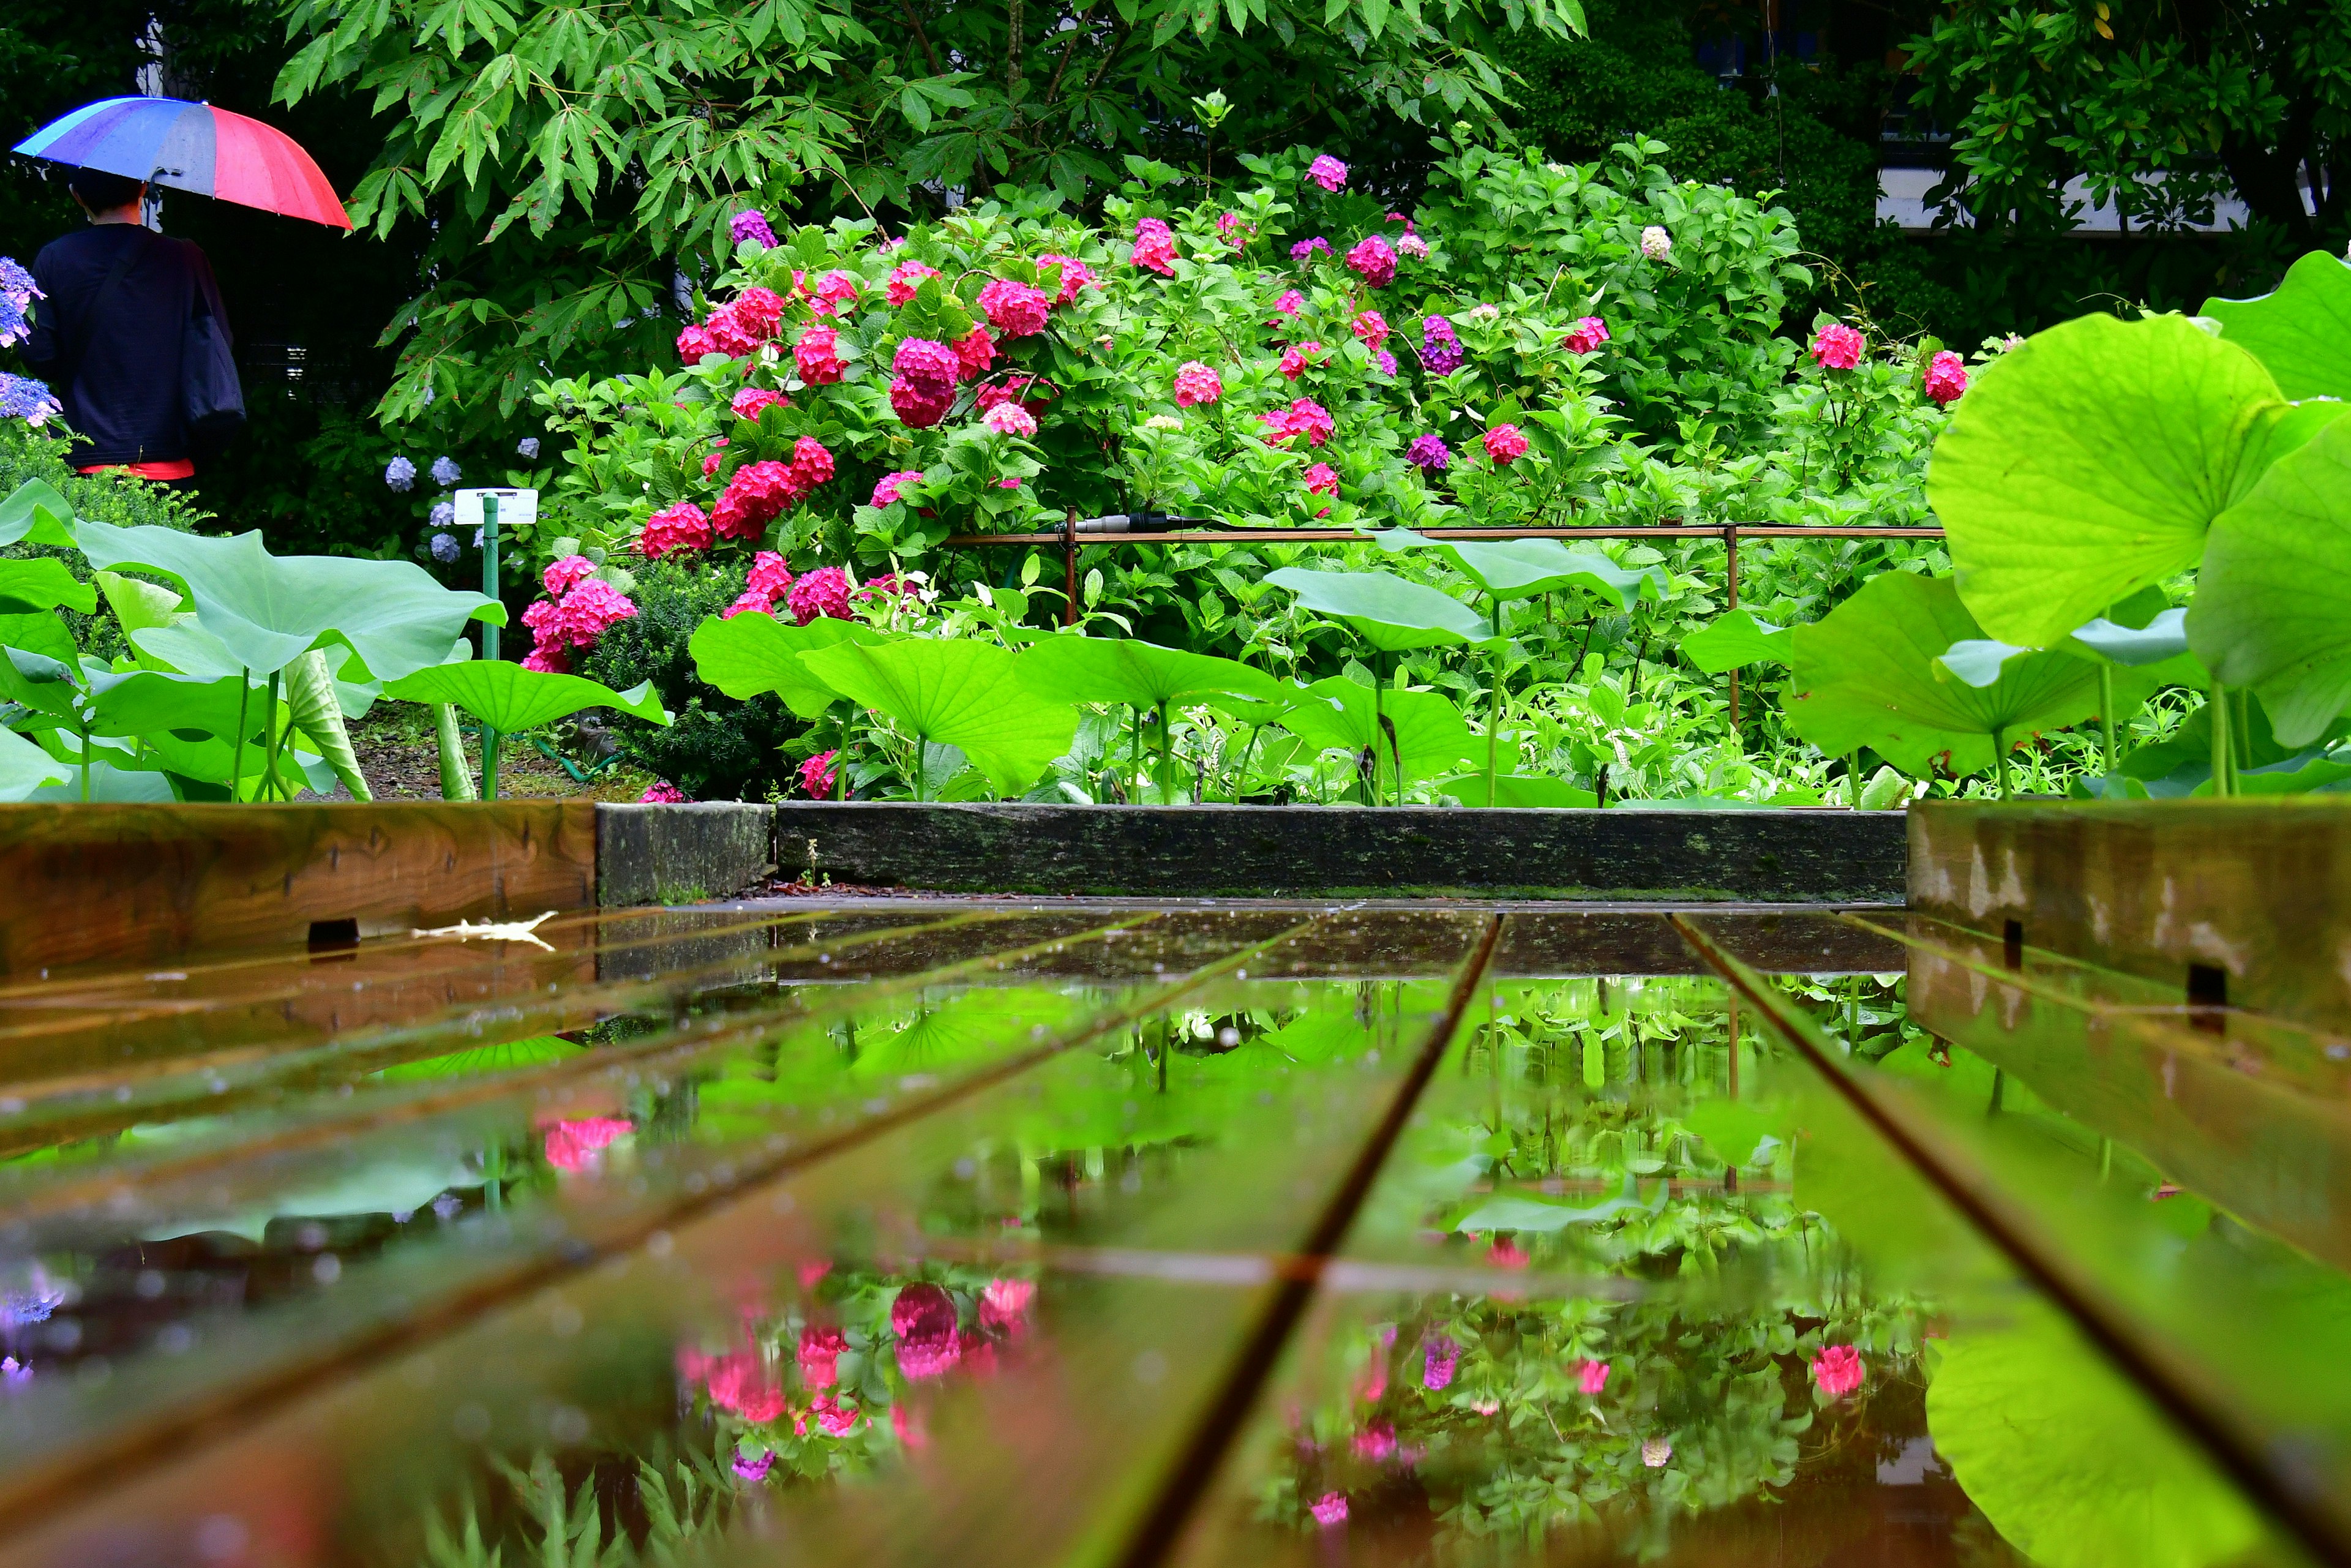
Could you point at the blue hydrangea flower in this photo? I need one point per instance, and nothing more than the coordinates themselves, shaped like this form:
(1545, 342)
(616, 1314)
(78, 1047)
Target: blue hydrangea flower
(445, 548)
(444, 471)
(399, 474)
(528, 447)
(14, 328)
(21, 397)
(17, 284)
(444, 513)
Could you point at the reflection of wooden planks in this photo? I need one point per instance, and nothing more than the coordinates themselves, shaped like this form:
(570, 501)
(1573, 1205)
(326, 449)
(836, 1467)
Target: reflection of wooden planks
(133, 883)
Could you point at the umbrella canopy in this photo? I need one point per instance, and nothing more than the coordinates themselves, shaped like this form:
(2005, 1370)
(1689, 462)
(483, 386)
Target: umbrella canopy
(192, 147)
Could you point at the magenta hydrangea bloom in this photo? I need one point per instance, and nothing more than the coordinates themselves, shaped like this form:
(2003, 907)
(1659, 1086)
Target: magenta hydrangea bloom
(1004, 1303)
(975, 352)
(835, 293)
(1303, 417)
(1330, 1509)
(1291, 303)
(820, 594)
(923, 359)
(1588, 333)
(1322, 479)
(662, 792)
(1197, 383)
(1373, 260)
(1947, 378)
(1372, 328)
(817, 355)
(748, 403)
(564, 572)
(1296, 360)
(1307, 247)
(918, 406)
(819, 1351)
(1439, 1357)
(684, 526)
(904, 279)
(694, 342)
(1017, 310)
(1376, 1442)
(886, 488)
(1075, 275)
(755, 495)
(753, 225)
(1838, 346)
(1592, 1376)
(755, 1469)
(1429, 453)
(1155, 247)
(1838, 1369)
(1387, 360)
(1505, 443)
(1328, 172)
(817, 775)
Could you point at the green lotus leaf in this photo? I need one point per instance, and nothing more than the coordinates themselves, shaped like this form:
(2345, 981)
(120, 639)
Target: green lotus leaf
(314, 706)
(1122, 671)
(1733, 641)
(2272, 606)
(39, 632)
(1390, 613)
(508, 698)
(42, 584)
(1866, 675)
(269, 610)
(1520, 790)
(138, 606)
(2276, 429)
(744, 655)
(2071, 1463)
(1520, 569)
(34, 513)
(964, 693)
(2163, 637)
(144, 701)
(111, 785)
(2301, 332)
(2088, 463)
(26, 768)
(1337, 713)
(1978, 662)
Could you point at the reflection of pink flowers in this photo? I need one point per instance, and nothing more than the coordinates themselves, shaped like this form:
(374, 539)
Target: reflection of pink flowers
(1506, 1253)
(1838, 346)
(1330, 1509)
(1303, 417)
(1155, 247)
(573, 1145)
(1376, 1442)
(742, 1382)
(837, 1419)
(923, 1319)
(910, 1434)
(1505, 443)
(684, 526)
(818, 1354)
(1838, 1370)
(886, 489)
(822, 594)
(905, 278)
(756, 1469)
(1947, 378)
(1373, 260)
(1197, 383)
(1075, 275)
(1018, 309)
(1439, 1357)
(1328, 172)
(1004, 1303)
(817, 775)
(1588, 333)
(1592, 1376)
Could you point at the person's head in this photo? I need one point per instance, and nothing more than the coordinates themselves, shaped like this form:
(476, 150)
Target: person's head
(103, 195)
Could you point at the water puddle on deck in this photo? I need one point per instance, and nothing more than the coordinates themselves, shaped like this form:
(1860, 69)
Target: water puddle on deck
(1010, 1235)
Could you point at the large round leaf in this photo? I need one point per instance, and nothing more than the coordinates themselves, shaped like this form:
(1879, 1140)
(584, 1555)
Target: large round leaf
(36, 513)
(2272, 607)
(1121, 670)
(1520, 569)
(24, 767)
(2088, 463)
(1733, 641)
(1390, 613)
(2071, 1464)
(2301, 331)
(748, 654)
(1336, 712)
(269, 609)
(961, 693)
(508, 698)
(1868, 675)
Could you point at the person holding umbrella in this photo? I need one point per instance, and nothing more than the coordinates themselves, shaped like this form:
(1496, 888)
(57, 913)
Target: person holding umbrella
(132, 334)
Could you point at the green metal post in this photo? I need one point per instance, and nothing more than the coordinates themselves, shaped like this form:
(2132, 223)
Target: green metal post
(489, 638)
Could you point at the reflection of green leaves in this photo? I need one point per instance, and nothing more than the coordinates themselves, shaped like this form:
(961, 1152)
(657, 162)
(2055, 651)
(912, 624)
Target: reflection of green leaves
(2070, 1463)
(1335, 712)
(2272, 606)
(2088, 463)
(269, 610)
(1866, 675)
(965, 694)
(1390, 613)
(2301, 332)
(744, 655)
(1735, 640)
(1137, 674)
(508, 698)
(1520, 569)
(539, 1051)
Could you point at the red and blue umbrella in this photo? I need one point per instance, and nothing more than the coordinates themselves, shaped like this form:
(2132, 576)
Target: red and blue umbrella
(192, 147)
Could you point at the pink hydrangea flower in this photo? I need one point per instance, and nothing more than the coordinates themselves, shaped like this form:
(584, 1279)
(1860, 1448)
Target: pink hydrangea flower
(588, 611)
(662, 792)
(1291, 303)
(1838, 346)
(1075, 275)
(718, 454)
(747, 604)
(548, 661)
(1017, 310)
(684, 526)
(1372, 328)
(1330, 1509)
(817, 775)
(1007, 483)
(835, 294)
(904, 279)
(769, 575)
(1947, 378)
(918, 403)
(822, 594)
(1294, 360)
(1303, 417)
(925, 388)
(1322, 479)
(816, 355)
(751, 319)
(818, 1354)
(1197, 383)
(573, 1145)
(838, 1420)
(1155, 247)
(1592, 1376)
(811, 464)
(748, 403)
(1009, 419)
(923, 359)
(1588, 333)
(924, 1320)
(1506, 1253)
(1328, 172)
(741, 1383)
(975, 352)
(1373, 260)
(886, 488)
(694, 342)
(1505, 443)
(1412, 245)
(1838, 1369)
(1004, 1303)
(1032, 392)
(564, 572)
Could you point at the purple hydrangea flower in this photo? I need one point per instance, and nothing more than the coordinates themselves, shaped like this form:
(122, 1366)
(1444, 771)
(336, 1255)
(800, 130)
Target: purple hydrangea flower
(15, 1371)
(21, 397)
(1307, 247)
(1438, 1358)
(1386, 361)
(1428, 453)
(755, 1469)
(445, 472)
(444, 514)
(1440, 351)
(528, 447)
(399, 474)
(753, 225)
(445, 548)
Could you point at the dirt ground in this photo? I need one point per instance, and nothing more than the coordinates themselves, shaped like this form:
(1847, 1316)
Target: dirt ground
(400, 761)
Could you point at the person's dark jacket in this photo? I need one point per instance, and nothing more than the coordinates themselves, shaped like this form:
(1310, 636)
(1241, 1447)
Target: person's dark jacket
(115, 364)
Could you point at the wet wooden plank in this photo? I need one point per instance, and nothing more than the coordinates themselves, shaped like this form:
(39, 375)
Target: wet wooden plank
(142, 882)
(1193, 851)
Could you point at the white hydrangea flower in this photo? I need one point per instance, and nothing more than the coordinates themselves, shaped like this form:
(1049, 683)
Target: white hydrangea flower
(1656, 243)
